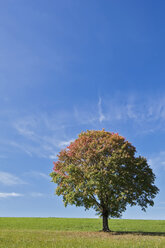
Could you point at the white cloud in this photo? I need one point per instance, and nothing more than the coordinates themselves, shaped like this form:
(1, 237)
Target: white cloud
(157, 161)
(38, 175)
(36, 194)
(85, 115)
(53, 156)
(13, 194)
(65, 143)
(44, 136)
(26, 127)
(43, 175)
(131, 112)
(144, 115)
(9, 179)
(22, 147)
(101, 115)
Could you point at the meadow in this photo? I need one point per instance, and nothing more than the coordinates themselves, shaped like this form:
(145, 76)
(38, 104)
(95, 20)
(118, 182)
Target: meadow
(80, 233)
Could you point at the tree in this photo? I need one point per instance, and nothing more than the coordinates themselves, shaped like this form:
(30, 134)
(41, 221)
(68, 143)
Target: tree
(99, 170)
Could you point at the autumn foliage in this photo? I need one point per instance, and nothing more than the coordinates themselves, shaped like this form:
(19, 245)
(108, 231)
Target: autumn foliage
(100, 170)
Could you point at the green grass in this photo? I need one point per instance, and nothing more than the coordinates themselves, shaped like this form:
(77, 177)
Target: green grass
(80, 233)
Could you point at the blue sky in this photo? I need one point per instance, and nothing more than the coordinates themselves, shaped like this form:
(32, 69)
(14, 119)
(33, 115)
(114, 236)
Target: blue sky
(68, 66)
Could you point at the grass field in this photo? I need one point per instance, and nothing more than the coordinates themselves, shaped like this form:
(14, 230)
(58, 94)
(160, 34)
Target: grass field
(80, 233)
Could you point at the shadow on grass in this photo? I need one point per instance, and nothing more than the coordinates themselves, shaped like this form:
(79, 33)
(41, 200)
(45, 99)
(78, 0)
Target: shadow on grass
(138, 233)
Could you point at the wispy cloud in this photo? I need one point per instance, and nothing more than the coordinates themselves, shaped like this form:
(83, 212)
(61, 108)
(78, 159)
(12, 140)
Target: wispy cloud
(101, 115)
(53, 156)
(146, 113)
(157, 161)
(85, 115)
(65, 143)
(44, 136)
(7, 195)
(43, 175)
(38, 174)
(9, 179)
(36, 194)
(40, 136)
(19, 146)
(14, 194)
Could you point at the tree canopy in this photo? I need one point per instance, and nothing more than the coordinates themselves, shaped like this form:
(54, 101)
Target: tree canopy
(100, 170)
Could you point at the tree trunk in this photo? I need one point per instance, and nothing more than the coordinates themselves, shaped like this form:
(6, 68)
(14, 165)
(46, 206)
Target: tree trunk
(105, 223)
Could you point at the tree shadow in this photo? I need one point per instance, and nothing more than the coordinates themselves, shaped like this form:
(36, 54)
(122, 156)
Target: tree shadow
(138, 233)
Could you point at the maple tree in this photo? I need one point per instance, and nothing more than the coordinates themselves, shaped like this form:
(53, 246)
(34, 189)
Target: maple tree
(100, 170)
